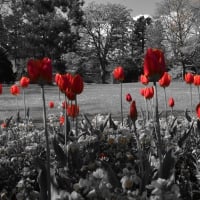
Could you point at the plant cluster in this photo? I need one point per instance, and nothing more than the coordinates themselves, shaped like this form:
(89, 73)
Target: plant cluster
(143, 156)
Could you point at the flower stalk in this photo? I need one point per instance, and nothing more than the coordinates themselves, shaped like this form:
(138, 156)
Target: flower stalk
(47, 143)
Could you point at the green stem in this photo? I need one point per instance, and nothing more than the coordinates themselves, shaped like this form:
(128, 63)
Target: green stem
(65, 123)
(198, 92)
(157, 129)
(76, 128)
(47, 144)
(121, 104)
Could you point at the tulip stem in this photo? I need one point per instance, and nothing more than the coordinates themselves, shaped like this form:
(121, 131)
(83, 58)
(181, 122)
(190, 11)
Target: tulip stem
(165, 104)
(191, 97)
(47, 144)
(198, 92)
(121, 103)
(157, 130)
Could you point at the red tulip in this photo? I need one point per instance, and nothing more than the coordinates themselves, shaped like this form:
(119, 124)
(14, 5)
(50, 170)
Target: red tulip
(118, 73)
(196, 80)
(40, 70)
(57, 77)
(149, 92)
(128, 97)
(133, 111)
(1, 88)
(142, 91)
(73, 110)
(51, 104)
(62, 120)
(165, 80)
(64, 105)
(171, 102)
(144, 80)
(189, 78)
(24, 82)
(198, 110)
(154, 64)
(70, 94)
(14, 90)
(62, 82)
(77, 84)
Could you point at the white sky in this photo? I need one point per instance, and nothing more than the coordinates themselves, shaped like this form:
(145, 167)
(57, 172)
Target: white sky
(137, 6)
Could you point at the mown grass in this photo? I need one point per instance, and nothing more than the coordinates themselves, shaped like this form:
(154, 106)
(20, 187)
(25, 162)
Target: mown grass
(96, 98)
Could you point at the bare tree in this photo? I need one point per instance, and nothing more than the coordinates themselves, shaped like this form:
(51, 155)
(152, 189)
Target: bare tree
(178, 22)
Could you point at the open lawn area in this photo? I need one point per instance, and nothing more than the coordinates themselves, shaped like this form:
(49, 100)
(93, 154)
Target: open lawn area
(96, 98)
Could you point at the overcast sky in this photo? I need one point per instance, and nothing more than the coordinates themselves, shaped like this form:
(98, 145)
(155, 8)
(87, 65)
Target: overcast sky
(137, 6)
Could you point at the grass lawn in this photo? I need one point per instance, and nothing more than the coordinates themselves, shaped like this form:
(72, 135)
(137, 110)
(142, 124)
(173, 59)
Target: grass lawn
(96, 98)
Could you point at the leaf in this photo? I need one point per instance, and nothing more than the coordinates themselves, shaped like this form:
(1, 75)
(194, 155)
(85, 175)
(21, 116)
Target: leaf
(88, 121)
(167, 165)
(8, 121)
(68, 127)
(28, 113)
(187, 116)
(198, 125)
(112, 177)
(59, 152)
(104, 124)
(112, 124)
(42, 178)
(185, 136)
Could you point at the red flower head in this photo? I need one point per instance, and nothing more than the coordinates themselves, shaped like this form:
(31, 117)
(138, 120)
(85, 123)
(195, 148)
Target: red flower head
(14, 90)
(73, 110)
(40, 70)
(51, 104)
(133, 111)
(118, 73)
(165, 80)
(64, 105)
(144, 80)
(171, 102)
(154, 64)
(198, 110)
(196, 80)
(1, 88)
(24, 82)
(128, 97)
(62, 120)
(149, 92)
(189, 78)
(142, 91)
(57, 77)
(62, 82)
(77, 84)
(70, 94)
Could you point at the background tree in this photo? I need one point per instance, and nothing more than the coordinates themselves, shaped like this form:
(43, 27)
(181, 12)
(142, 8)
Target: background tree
(177, 20)
(105, 30)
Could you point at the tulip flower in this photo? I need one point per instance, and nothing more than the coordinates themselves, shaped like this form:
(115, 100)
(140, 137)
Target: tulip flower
(51, 104)
(189, 79)
(198, 110)
(118, 74)
(73, 110)
(196, 82)
(164, 82)
(77, 84)
(62, 82)
(70, 94)
(40, 71)
(128, 97)
(24, 82)
(149, 92)
(154, 64)
(171, 102)
(144, 80)
(15, 90)
(62, 120)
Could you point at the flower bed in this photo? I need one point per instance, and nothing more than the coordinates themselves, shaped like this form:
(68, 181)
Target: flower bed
(142, 156)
